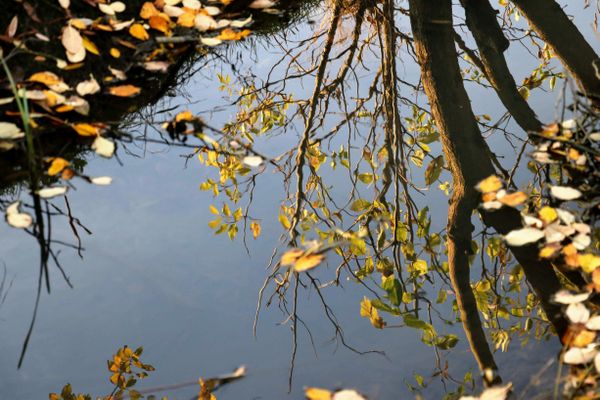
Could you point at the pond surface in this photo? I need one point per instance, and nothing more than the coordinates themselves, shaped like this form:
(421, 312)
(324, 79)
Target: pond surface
(153, 273)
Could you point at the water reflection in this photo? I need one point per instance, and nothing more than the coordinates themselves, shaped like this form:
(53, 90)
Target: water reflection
(349, 155)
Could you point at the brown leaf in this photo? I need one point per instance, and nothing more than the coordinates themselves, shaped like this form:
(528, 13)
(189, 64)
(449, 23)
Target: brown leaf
(124, 90)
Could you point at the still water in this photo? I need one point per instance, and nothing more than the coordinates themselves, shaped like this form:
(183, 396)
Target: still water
(154, 275)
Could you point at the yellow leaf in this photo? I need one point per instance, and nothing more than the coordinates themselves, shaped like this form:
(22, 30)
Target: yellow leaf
(84, 129)
(57, 165)
(47, 78)
(90, 46)
(124, 90)
(285, 221)
(367, 310)
(214, 210)
(115, 52)
(513, 199)
(589, 262)
(256, 229)
(148, 10)
(186, 19)
(184, 116)
(548, 214)
(307, 262)
(230, 34)
(316, 393)
(548, 251)
(139, 32)
(490, 184)
(159, 23)
(290, 256)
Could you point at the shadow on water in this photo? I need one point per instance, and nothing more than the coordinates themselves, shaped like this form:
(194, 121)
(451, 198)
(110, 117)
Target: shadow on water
(352, 138)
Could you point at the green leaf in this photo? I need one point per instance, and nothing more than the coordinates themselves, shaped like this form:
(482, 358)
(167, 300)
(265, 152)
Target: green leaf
(393, 288)
(360, 205)
(434, 169)
(366, 178)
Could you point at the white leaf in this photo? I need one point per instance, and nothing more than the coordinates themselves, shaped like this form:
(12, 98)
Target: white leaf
(106, 9)
(204, 22)
(161, 66)
(593, 323)
(64, 3)
(582, 228)
(569, 124)
(211, 41)
(173, 12)
(118, 6)
(6, 100)
(347, 394)
(258, 4)
(103, 147)
(577, 355)
(565, 216)
(50, 192)
(553, 234)
(566, 297)
(594, 136)
(72, 40)
(253, 161)
(192, 4)
(532, 221)
(212, 10)
(172, 2)
(241, 23)
(581, 241)
(120, 75)
(17, 219)
(597, 362)
(76, 57)
(90, 86)
(10, 131)
(496, 392)
(520, 237)
(578, 313)
(102, 180)
(492, 205)
(565, 193)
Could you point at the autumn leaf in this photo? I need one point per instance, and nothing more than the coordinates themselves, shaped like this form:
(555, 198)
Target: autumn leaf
(159, 23)
(230, 34)
(548, 214)
(513, 199)
(256, 229)
(139, 32)
(124, 90)
(57, 165)
(85, 129)
(490, 184)
(148, 10)
(317, 394)
(367, 310)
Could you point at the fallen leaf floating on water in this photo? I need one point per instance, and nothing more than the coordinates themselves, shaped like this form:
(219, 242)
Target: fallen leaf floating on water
(253, 161)
(112, 8)
(17, 219)
(157, 66)
(577, 355)
(57, 165)
(10, 131)
(139, 32)
(192, 4)
(104, 147)
(578, 313)
(523, 236)
(513, 199)
(90, 86)
(259, 4)
(241, 23)
(50, 192)
(493, 393)
(124, 90)
(51, 80)
(172, 11)
(566, 297)
(211, 41)
(73, 43)
(230, 34)
(204, 23)
(489, 184)
(101, 180)
(65, 4)
(312, 393)
(565, 193)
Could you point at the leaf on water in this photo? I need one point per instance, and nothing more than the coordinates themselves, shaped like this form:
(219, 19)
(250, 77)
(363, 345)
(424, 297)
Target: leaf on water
(230, 34)
(114, 52)
(581, 241)
(160, 66)
(593, 323)
(112, 8)
(139, 32)
(589, 262)
(124, 90)
(101, 180)
(514, 199)
(253, 161)
(566, 297)
(204, 22)
(73, 44)
(50, 192)
(65, 4)
(548, 214)
(211, 41)
(496, 392)
(260, 4)
(9, 130)
(90, 86)
(490, 184)
(90, 46)
(85, 129)
(523, 236)
(565, 216)
(192, 4)
(312, 393)
(241, 23)
(347, 394)
(159, 23)
(577, 313)
(576, 355)
(103, 147)
(172, 11)
(565, 193)
(57, 165)
(17, 219)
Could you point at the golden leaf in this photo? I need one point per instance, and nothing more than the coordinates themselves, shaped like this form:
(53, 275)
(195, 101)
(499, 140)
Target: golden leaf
(490, 184)
(367, 310)
(290, 256)
(308, 262)
(186, 20)
(548, 251)
(589, 262)
(47, 78)
(115, 52)
(513, 199)
(84, 129)
(184, 116)
(67, 174)
(148, 10)
(550, 130)
(159, 23)
(230, 34)
(90, 46)
(57, 165)
(316, 393)
(548, 214)
(256, 229)
(139, 32)
(571, 256)
(124, 90)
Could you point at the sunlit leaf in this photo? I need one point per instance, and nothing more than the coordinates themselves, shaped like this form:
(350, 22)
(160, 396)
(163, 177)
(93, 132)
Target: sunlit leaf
(17, 219)
(103, 147)
(256, 229)
(253, 161)
(57, 165)
(139, 32)
(513, 199)
(589, 262)
(577, 355)
(347, 394)
(548, 214)
(124, 90)
(101, 180)
(367, 310)
(317, 394)
(490, 184)
(10, 131)
(577, 313)
(50, 192)
(90, 86)
(565, 193)
(520, 237)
